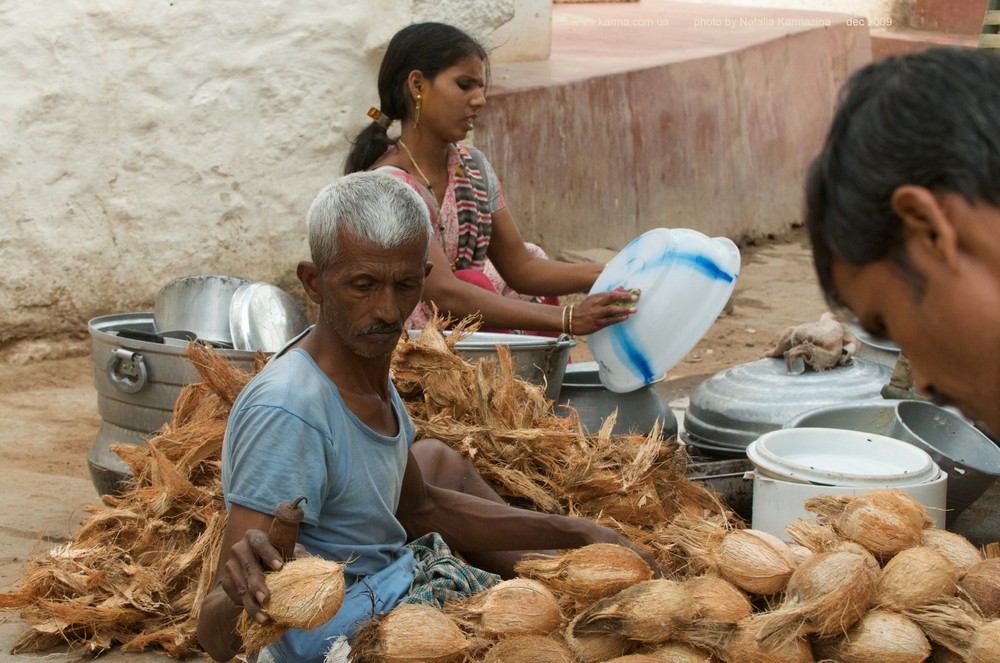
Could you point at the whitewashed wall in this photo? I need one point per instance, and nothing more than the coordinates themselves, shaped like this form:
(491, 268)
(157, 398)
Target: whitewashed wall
(143, 140)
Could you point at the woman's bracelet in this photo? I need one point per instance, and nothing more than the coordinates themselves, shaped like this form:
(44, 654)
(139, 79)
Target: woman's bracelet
(567, 319)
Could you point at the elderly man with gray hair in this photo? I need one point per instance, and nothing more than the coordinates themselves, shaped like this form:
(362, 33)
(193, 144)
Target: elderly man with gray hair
(323, 420)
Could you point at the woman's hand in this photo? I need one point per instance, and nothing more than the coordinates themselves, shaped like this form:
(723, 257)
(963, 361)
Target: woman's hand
(601, 310)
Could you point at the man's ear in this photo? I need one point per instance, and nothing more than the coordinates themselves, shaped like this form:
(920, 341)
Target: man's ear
(926, 226)
(428, 266)
(309, 275)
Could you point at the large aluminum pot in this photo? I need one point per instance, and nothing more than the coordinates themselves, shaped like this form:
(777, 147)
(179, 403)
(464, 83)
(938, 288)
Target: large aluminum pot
(638, 410)
(540, 360)
(199, 304)
(138, 375)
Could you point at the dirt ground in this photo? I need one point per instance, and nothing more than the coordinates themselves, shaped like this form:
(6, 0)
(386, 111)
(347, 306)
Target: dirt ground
(49, 404)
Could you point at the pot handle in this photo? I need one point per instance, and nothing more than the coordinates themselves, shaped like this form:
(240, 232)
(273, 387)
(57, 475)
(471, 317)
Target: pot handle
(126, 370)
(564, 341)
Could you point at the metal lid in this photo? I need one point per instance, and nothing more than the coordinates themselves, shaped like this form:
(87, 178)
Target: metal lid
(734, 407)
(264, 317)
(866, 338)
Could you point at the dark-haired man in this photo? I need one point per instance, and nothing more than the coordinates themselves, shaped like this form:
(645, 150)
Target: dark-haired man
(903, 211)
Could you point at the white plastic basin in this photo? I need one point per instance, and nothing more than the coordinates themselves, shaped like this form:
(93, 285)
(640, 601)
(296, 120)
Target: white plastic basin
(837, 457)
(792, 465)
(686, 279)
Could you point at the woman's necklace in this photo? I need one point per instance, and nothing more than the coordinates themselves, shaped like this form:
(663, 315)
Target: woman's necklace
(415, 165)
(441, 222)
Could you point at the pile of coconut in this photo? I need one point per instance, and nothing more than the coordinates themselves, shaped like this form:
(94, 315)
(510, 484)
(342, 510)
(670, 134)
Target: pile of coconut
(867, 581)
(135, 572)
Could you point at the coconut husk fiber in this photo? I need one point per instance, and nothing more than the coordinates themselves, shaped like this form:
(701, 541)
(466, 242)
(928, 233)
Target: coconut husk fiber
(534, 457)
(135, 572)
(137, 568)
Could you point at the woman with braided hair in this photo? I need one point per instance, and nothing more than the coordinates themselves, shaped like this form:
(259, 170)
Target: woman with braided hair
(433, 82)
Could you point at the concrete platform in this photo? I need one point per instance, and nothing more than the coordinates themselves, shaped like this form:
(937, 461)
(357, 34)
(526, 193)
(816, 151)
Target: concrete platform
(900, 42)
(663, 113)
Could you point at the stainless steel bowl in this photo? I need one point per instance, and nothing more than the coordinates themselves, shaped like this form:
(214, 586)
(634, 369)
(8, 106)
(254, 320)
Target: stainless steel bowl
(971, 459)
(876, 416)
(264, 317)
(199, 304)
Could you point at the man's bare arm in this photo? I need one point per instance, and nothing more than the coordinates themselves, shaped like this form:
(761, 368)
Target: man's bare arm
(472, 524)
(239, 582)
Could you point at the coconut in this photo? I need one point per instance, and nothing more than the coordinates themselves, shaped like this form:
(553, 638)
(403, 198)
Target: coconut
(981, 584)
(880, 636)
(955, 547)
(985, 645)
(678, 652)
(884, 521)
(743, 646)
(534, 648)
(717, 599)
(520, 606)
(411, 632)
(801, 553)
(941, 655)
(636, 658)
(914, 577)
(755, 561)
(653, 611)
(825, 596)
(595, 647)
(949, 623)
(812, 534)
(648, 612)
(305, 593)
(692, 540)
(588, 573)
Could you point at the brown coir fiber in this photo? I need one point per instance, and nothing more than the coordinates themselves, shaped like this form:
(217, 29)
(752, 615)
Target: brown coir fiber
(138, 567)
(136, 571)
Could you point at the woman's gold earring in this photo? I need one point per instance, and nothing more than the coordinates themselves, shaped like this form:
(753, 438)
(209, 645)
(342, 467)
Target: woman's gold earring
(416, 113)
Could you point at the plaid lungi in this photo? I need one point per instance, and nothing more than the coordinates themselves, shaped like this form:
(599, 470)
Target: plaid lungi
(440, 576)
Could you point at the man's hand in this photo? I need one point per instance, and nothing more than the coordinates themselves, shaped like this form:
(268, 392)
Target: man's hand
(607, 535)
(242, 577)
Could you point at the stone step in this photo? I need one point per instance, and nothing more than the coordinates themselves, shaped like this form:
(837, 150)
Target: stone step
(956, 17)
(903, 40)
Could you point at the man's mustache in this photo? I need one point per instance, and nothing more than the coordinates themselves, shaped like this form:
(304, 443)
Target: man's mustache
(381, 328)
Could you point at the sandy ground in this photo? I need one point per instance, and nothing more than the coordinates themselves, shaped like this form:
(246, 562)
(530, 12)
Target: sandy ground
(49, 403)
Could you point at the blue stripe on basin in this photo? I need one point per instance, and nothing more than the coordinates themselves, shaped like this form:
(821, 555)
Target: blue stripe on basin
(628, 352)
(628, 348)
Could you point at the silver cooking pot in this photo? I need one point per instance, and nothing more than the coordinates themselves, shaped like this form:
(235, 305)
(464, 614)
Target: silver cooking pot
(540, 360)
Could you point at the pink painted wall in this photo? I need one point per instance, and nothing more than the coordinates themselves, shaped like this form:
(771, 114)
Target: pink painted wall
(718, 143)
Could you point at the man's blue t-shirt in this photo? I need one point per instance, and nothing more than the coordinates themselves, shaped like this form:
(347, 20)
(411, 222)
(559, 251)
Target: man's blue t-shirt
(291, 435)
